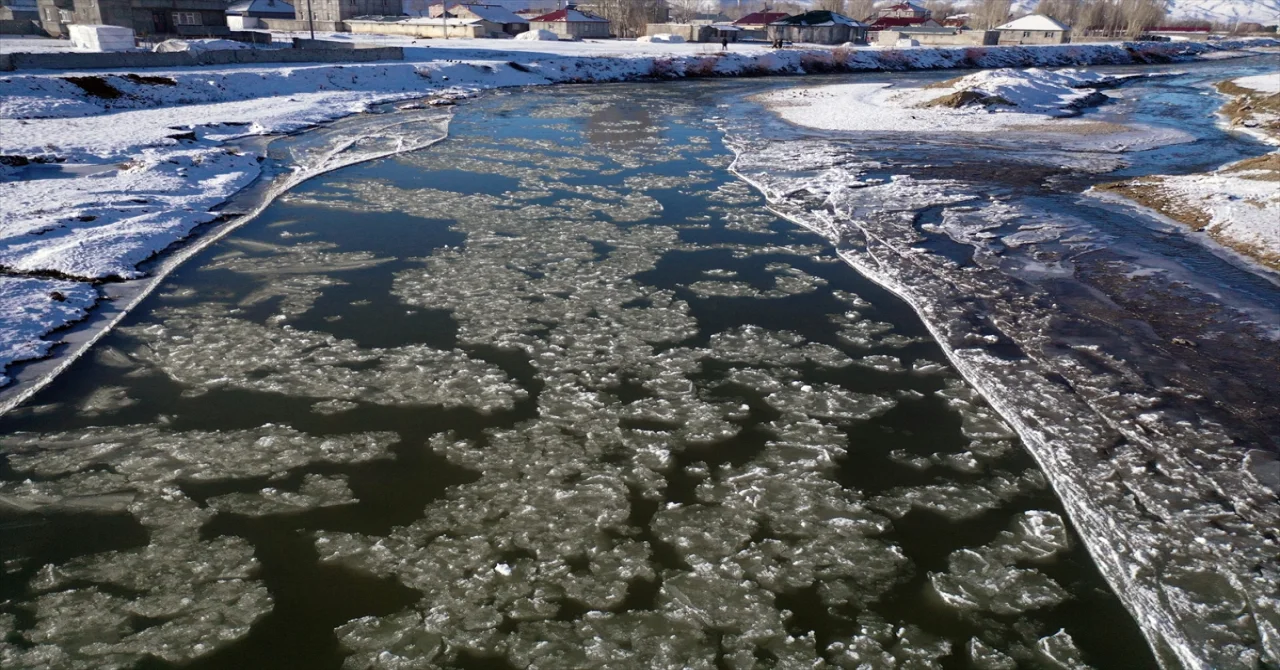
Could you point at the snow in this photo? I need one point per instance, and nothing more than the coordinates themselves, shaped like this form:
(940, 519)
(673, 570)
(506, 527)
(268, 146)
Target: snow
(101, 38)
(1265, 12)
(1020, 104)
(33, 308)
(1263, 83)
(538, 36)
(666, 38)
(1034, 22)
(143, 169)
(199, 45)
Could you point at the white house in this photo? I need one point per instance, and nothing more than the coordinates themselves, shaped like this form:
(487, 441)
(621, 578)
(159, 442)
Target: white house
(1034, 29)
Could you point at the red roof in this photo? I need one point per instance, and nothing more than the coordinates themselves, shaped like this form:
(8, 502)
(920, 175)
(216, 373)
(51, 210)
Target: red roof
(569, 16)
(760, 18)
(896, 22)
(955, 23)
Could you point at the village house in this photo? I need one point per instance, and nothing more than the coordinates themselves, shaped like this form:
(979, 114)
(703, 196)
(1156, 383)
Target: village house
(1034, 29)
(55, 15)
(247, 14)
(818, 27)
(329, 15)
(755, 26)
(904, 10)
(572, 23)
(495, 19)
(187, 18)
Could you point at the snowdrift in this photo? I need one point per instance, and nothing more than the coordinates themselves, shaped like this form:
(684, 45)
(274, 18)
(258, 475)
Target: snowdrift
(538, 36)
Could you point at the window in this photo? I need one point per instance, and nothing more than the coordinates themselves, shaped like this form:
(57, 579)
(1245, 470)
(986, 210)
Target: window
(1026, 34)
(186, 19)
(1048, 34)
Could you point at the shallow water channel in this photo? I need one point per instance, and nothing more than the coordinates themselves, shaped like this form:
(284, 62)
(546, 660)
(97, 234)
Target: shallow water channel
(556, 392)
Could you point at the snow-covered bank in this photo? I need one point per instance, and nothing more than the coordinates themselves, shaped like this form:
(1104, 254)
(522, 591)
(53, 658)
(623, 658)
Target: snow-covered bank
(1236, 206)
(136, 162)
(1105, 361)
(1012, 102)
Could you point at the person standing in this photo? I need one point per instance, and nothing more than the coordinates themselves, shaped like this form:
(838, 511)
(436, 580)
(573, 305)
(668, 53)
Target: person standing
(724, 42)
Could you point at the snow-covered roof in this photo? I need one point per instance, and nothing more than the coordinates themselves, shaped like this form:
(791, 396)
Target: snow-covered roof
(569, 16)
(817, 18)
(491, 13)
(1035, 22)
(266, 8)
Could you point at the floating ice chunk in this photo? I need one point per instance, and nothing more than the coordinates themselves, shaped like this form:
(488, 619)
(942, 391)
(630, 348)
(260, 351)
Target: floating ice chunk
(757, 346)
(881, 362)
(149, 455)
(704, 534)
(1060, 651)
(987, 579)
(204, 348)
(974, 581)
(333, 406)
(828, 401)
(316, 491)
(106, 400)
(984, 657)
(724, 289)
(395, 642)
(957, 502)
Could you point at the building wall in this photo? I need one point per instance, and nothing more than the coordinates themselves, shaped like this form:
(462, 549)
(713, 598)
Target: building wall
(300, 25)
(690, 32)
(155, 17)
(964, 38)
(574, 30)
(55, 15)
(341, 10)
(837, 34)
(433, 30)
(1034, 37)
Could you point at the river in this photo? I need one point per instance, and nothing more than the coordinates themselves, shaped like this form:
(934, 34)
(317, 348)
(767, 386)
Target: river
(563, 391)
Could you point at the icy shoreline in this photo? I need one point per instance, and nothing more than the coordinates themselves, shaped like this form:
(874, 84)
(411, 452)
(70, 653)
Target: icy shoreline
(141, 161)
(1236, 208)
(1173, 507)
(1083, 452)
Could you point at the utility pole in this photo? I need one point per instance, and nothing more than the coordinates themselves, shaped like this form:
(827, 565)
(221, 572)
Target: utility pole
(311, 20)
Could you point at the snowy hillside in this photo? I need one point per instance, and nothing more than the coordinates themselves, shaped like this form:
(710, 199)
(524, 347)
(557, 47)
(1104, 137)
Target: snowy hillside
(1266, 12)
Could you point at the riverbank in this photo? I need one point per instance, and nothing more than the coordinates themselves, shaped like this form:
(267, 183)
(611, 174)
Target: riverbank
(1137, 370)
(1236, 206)
(105, 171)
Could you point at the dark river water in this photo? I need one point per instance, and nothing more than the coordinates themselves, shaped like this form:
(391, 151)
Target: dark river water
(556, 392)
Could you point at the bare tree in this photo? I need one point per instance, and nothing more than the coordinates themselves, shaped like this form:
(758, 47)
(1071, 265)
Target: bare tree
(836, 6)
(860, 9)
(991, 13)
(1068, 12)
(940, 9)
(684, 11)
(1140, 15)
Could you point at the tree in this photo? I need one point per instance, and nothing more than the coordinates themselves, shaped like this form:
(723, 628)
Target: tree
(860, 9)
(991, 13)
(1139, 15)
(684, 11)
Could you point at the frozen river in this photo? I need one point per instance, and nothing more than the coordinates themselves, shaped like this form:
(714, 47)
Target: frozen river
(561, 391)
